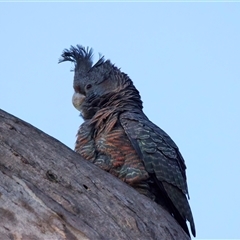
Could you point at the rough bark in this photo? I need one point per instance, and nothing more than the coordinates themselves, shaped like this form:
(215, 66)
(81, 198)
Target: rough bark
(47, 191)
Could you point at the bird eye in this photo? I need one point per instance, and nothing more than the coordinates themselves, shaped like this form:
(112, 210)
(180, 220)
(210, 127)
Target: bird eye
(88, 86)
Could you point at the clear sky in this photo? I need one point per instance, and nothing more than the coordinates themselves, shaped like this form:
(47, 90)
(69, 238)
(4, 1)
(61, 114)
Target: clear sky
(183, 57)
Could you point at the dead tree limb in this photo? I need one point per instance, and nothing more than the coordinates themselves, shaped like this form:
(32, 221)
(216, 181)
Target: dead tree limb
(47, 191)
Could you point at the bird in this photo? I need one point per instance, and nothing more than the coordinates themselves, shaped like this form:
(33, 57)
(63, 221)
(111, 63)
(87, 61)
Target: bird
(119, 138)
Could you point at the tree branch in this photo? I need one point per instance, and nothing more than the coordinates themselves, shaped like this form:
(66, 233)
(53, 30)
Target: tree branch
(47, 191)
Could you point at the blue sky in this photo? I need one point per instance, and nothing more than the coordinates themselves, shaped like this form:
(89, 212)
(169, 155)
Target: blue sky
(184, 59)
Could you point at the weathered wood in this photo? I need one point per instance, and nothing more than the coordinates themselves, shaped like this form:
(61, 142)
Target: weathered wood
(47, 191)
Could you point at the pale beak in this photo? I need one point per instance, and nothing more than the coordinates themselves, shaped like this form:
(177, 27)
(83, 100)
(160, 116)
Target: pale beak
(77, 100)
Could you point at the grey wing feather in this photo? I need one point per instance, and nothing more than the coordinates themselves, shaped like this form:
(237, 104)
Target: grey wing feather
(161, 157)
(158, 151)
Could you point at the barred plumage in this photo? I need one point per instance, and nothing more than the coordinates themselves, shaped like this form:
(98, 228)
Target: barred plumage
(118, 137)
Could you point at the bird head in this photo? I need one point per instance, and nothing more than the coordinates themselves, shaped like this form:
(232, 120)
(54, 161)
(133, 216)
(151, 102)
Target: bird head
(94, 84)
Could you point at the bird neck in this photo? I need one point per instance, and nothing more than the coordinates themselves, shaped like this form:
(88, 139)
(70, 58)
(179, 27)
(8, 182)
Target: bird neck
(113, 104)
